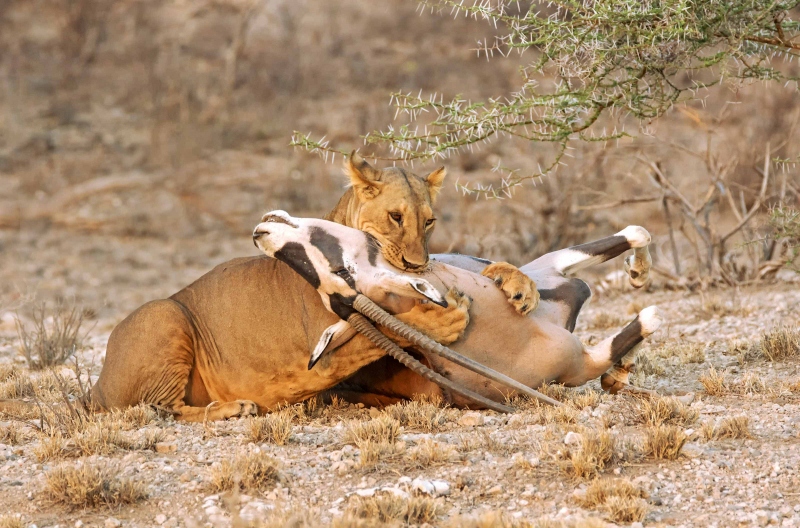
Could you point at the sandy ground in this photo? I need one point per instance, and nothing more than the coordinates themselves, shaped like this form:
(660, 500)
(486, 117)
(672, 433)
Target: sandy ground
(486, 461)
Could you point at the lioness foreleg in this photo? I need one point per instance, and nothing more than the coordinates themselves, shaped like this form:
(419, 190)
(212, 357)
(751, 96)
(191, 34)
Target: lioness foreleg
(217, 411)
(445, 325)
(518, 287)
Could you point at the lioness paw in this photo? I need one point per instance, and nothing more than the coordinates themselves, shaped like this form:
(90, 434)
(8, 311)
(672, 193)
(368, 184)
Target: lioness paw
(445, 325)
(518, 287)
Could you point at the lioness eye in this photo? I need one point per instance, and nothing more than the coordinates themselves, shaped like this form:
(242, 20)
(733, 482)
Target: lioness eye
(430, 222)
(397, 217)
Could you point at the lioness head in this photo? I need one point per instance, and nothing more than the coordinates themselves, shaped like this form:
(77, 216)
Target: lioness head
(396, 207)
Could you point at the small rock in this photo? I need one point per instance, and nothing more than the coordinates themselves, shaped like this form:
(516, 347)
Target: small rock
(495, 490)
(423, 486)
(166, 447)
(368, 492)
(516, 420)
(78, 523)
(573, 438)
(161, 518)
(112, 522)
(441, 487)
(471, 419)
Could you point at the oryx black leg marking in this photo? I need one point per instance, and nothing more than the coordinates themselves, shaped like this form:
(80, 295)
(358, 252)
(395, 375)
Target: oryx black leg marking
(629, 337)
(573, 293)
(607, 248)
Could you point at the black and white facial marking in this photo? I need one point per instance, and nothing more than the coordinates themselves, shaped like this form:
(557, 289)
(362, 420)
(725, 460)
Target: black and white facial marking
(294, 254)
(331, 248)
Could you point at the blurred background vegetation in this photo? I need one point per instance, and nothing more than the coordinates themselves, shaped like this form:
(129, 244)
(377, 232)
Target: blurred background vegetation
(141, 140)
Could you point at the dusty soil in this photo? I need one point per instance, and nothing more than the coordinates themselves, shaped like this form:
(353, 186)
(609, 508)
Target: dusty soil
(487, 462)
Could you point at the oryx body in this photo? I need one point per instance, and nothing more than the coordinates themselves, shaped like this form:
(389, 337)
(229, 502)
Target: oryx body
(533, 349)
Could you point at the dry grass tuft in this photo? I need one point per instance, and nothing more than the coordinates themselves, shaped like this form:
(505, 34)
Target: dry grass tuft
(251, 471)
(11, 521)
(585, 398)
(372, 452)
(744, 350)
(89, 485)
(55, 337)
(780, 343)
(660, 410)
(619, 499)
(714, 306)
(664, 442)
(275, 428)
(389, 508)
(595, 453)
(648, 364)
(489, 519)
(565, 414)
(735, 427)
(381, 429)
(13, 434)
(428, 414)
(16, 384)
(295, 517)
(714, 383)
(429, 453)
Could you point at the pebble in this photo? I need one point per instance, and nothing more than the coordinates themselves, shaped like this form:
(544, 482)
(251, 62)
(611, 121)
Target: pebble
(573, 438)
(166, 447)
(161, 518)
(112, 522)
(471, 419)
(495, 490)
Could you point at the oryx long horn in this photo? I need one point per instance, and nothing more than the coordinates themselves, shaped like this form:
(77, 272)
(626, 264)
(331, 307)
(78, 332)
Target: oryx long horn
(374, 312)
(362, 325)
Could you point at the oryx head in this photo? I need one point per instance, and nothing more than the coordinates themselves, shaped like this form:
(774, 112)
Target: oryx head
(339, 262)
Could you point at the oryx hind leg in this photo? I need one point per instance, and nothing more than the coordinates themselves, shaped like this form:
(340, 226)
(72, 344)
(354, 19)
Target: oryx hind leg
(613, 357)
(571, 260)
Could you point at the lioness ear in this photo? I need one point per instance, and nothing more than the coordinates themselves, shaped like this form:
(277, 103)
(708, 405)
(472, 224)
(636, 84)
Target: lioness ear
(434, 181)
(363, 177)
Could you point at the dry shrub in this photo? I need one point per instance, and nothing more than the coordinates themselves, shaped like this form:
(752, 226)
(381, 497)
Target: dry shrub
(619, 499)
(750, 383)
(381, 429)
(714, 383)
(282, 517)
(89, 485)
(55, 337)
(427, 414)
(250, 471)
(664, 442)
(660, 410)
(16, 384)
(585, 398)
(388, 508)
(647, 364)
(735, 427)
(564, 414)
(595, 453)
(714, 306)
(554, 390)
(11, 520)
(780, 343)
(488, 519)
(744, 350)
(136, 417)
(372, 452)
(375, 439)
(430, 452)
(13, 435)
(607, 320)
(484, 441)
(275, 428)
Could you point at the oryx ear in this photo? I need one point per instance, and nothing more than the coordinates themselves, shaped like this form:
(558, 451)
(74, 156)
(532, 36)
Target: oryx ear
(332, 338)
(363, 177)
(435, 181)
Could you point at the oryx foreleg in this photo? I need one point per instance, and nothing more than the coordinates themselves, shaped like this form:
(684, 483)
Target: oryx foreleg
(571, 260)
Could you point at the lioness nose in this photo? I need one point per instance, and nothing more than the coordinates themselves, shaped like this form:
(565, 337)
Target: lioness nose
(413, 265)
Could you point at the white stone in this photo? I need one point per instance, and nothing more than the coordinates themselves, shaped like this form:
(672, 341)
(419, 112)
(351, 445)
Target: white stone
(112, 522)
(161, 518)
(573, 438)
(423, 486)
(441, 487)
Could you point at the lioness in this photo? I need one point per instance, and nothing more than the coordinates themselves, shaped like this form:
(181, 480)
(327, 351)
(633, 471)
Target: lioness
(240, 336)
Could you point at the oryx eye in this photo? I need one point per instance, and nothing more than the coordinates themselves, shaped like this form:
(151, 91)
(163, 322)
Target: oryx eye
(430, 222)
(343, 273)
(397, 217)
